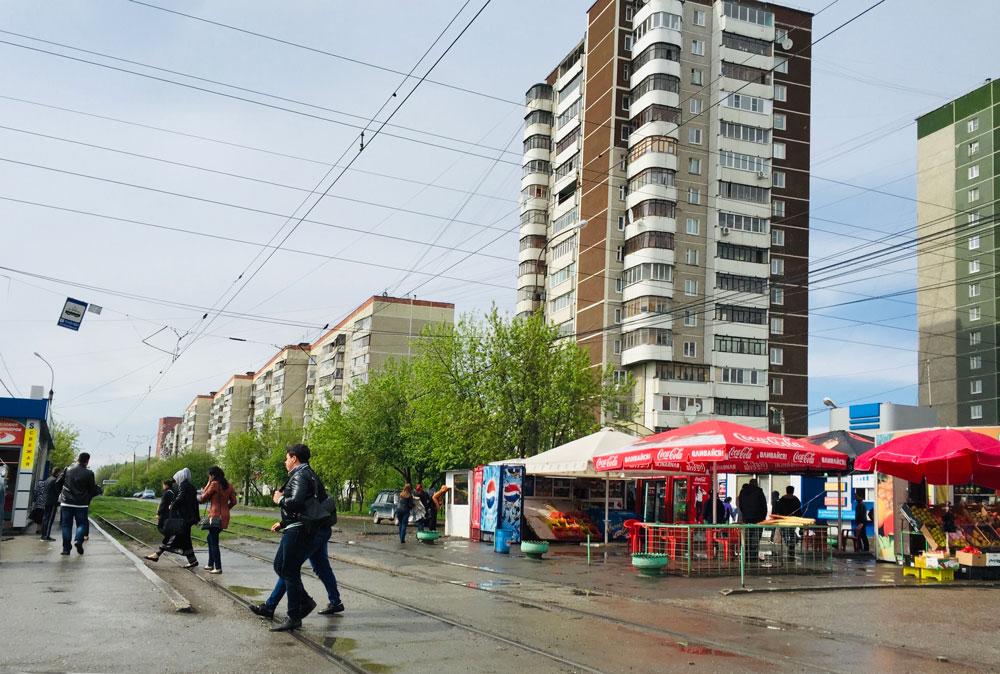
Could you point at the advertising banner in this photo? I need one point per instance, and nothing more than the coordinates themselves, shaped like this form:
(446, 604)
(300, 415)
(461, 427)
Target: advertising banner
(511, 504)
(12, 432)
(30, 445)
(491, 498)
(476, 506)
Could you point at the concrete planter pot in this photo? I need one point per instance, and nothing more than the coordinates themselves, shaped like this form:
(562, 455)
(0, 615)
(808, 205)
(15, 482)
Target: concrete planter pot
(649, 564)
(428, 537)
(534, 549)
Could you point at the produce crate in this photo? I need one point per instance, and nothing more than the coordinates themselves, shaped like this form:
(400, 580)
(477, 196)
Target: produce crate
(971, 558)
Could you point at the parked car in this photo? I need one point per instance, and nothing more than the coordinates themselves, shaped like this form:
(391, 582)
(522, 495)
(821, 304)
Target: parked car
(138, 494)
(384, 507)
(148, 493)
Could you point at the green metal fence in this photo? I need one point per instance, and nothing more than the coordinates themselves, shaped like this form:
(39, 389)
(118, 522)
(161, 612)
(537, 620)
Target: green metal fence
(737, 549)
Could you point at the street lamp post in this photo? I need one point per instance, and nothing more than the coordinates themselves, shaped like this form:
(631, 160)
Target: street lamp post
(52, 381)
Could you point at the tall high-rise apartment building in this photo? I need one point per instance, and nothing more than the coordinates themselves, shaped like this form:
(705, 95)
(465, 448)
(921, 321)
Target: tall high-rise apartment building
(665, 205)
(192, 431)
(230, 410)
(958, 182)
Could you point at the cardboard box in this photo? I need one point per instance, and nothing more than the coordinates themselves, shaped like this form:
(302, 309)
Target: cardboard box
(971, 558)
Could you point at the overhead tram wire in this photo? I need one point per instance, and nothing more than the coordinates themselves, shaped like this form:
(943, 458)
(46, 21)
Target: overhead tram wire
(324, 52)
(378, 130)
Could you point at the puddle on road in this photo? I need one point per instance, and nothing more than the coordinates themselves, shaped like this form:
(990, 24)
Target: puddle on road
(698, 649)
(487, 584)
(343, 646)
(244, 591)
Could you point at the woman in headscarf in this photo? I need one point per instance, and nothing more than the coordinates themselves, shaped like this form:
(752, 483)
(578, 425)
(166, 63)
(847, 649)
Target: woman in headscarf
(221, 497)
(183, 514)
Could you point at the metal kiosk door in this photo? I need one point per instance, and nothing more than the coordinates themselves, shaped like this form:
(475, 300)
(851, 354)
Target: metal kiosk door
(456, 509)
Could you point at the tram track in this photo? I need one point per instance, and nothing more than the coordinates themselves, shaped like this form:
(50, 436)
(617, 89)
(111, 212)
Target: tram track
(680, 637)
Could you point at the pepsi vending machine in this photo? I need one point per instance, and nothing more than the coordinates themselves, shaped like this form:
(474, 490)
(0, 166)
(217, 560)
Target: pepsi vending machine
(490, 502)
(510, 509)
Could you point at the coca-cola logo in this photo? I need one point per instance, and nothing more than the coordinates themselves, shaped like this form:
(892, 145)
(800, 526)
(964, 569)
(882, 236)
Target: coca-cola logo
(740, 454)
(675, 454)
(804, 457)
(778, 440)
(692, 467)
(606, 463)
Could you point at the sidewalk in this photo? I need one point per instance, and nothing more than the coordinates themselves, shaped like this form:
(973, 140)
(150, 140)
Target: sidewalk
(98, 613)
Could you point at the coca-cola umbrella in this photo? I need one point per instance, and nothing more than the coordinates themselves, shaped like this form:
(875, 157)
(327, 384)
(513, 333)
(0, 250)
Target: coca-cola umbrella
(940, 456)
(712, 447)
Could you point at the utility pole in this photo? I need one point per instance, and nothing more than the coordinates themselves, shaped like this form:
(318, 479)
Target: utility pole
(133, 466)
(149, 455)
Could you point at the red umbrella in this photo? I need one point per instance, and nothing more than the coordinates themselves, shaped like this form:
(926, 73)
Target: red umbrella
(723, 447)
(941, 456)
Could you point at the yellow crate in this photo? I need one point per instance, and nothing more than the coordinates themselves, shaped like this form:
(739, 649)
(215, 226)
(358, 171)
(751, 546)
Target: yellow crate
(941, 575)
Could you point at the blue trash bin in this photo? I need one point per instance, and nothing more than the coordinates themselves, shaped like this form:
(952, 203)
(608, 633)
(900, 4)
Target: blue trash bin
(501, 541)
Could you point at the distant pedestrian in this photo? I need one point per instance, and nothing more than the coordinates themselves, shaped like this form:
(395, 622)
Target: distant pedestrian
(775, 497)
(163, 510)
(706, 509)
(430, 512)
(78, 488)
(439, 496)
(317, 553)
(296, 534)
(789, 505)
(221, 498)
(37, 514)
(861, 522)
(52, 489)
(181, 516)
(730, 510)
(404, 506)
(753, 509)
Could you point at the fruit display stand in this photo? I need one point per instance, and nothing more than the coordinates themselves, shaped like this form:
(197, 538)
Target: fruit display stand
(558, 521)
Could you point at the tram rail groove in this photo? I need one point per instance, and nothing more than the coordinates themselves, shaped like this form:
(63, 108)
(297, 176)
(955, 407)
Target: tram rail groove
(680, 637)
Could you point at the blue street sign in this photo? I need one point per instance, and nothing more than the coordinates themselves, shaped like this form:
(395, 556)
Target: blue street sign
(72, 314)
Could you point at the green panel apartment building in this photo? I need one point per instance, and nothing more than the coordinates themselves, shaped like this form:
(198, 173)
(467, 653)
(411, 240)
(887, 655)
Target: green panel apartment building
(958, 182)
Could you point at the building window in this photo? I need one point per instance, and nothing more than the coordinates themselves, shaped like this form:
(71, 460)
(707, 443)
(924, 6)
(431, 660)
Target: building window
(974, 289)
(975, 313)
(697, 77)
(975, 338)
(618, 346)
(778, 208)
(973, 218)
(777, 237)
(976, 386)
(620, 254)
(626, 101)
(694, 166)
(629, 13)
(975, 362)
(777, 295)
(628, 43)
(751, 134)
(695, 106)
(780, 92)
(973, 266)
(777, 325)
(699, 18)
(744, 223)
(618, 316)
(973, 124)
(779, 121)
(777, 267)
(974, 171)
(622, 192)
(974, 242)
(781, 66)
(976, 411)
(694, 138)
(749, 103)
(694, 196)
(778, 179)
(625, 131)
(691, 256)
(974, 194)
(690, 319)
(973, 147)
(690, 287)
(777, 386)
(690, 349)
(779, 150)
(619, 285)
(777, 356)
(698, 47)
(692, 225)
(621, 223)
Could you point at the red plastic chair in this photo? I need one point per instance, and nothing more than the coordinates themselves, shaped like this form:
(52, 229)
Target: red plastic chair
(632, 528)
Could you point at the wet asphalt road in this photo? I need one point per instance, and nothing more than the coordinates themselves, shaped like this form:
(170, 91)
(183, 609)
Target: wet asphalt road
(457, 605)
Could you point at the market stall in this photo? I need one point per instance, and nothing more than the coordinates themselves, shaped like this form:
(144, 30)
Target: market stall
(958, 537)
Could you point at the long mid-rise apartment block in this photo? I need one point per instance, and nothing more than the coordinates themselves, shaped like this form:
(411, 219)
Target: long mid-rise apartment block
(958, 183)
(665, 205)
(297, 381)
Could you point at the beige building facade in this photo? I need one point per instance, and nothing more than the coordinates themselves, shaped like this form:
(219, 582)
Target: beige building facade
(230, 410)
(281, 385)
(193, 429)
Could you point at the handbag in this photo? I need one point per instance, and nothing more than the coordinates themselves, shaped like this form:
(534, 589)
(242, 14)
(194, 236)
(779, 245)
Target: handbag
(210, 522)
(174, 526)
(318, 512)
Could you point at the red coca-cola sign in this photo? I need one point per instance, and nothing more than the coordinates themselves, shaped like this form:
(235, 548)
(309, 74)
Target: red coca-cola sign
(11, 432)
(806, 458)
(606, 462)
(740, 454)
(675, 454)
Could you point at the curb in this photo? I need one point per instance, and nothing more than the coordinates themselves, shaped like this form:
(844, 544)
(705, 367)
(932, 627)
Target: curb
(181, 604)
(868, 586)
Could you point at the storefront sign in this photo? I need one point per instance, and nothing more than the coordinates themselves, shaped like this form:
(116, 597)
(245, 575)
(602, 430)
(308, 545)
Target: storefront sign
(993, 559)
(832, 486)
(11, 432)
(831, 514)
(30, 445)
(833, 500)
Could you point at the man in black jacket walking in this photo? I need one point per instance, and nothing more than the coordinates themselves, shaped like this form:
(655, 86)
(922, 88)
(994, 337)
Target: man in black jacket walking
(78, 487)
(753, 509)
(52, 489)
(789, 505)
(296, 534)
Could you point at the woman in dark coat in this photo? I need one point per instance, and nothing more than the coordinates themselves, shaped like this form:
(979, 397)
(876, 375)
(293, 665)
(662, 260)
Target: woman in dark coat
(177, 535)
(163, 510)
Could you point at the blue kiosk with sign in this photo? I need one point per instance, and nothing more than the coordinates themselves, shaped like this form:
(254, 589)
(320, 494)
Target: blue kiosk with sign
(25, 442)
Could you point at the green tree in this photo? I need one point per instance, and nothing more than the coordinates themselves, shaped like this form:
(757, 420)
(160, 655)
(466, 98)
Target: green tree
(65, 444)
(243, 460)
(338, 455)
(273, 434)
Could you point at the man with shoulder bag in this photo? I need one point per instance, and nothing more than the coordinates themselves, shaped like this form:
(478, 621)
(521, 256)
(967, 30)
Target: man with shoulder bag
(306, 525)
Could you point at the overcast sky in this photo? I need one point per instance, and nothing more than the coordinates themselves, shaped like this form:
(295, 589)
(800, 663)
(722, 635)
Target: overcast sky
(112, 206)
